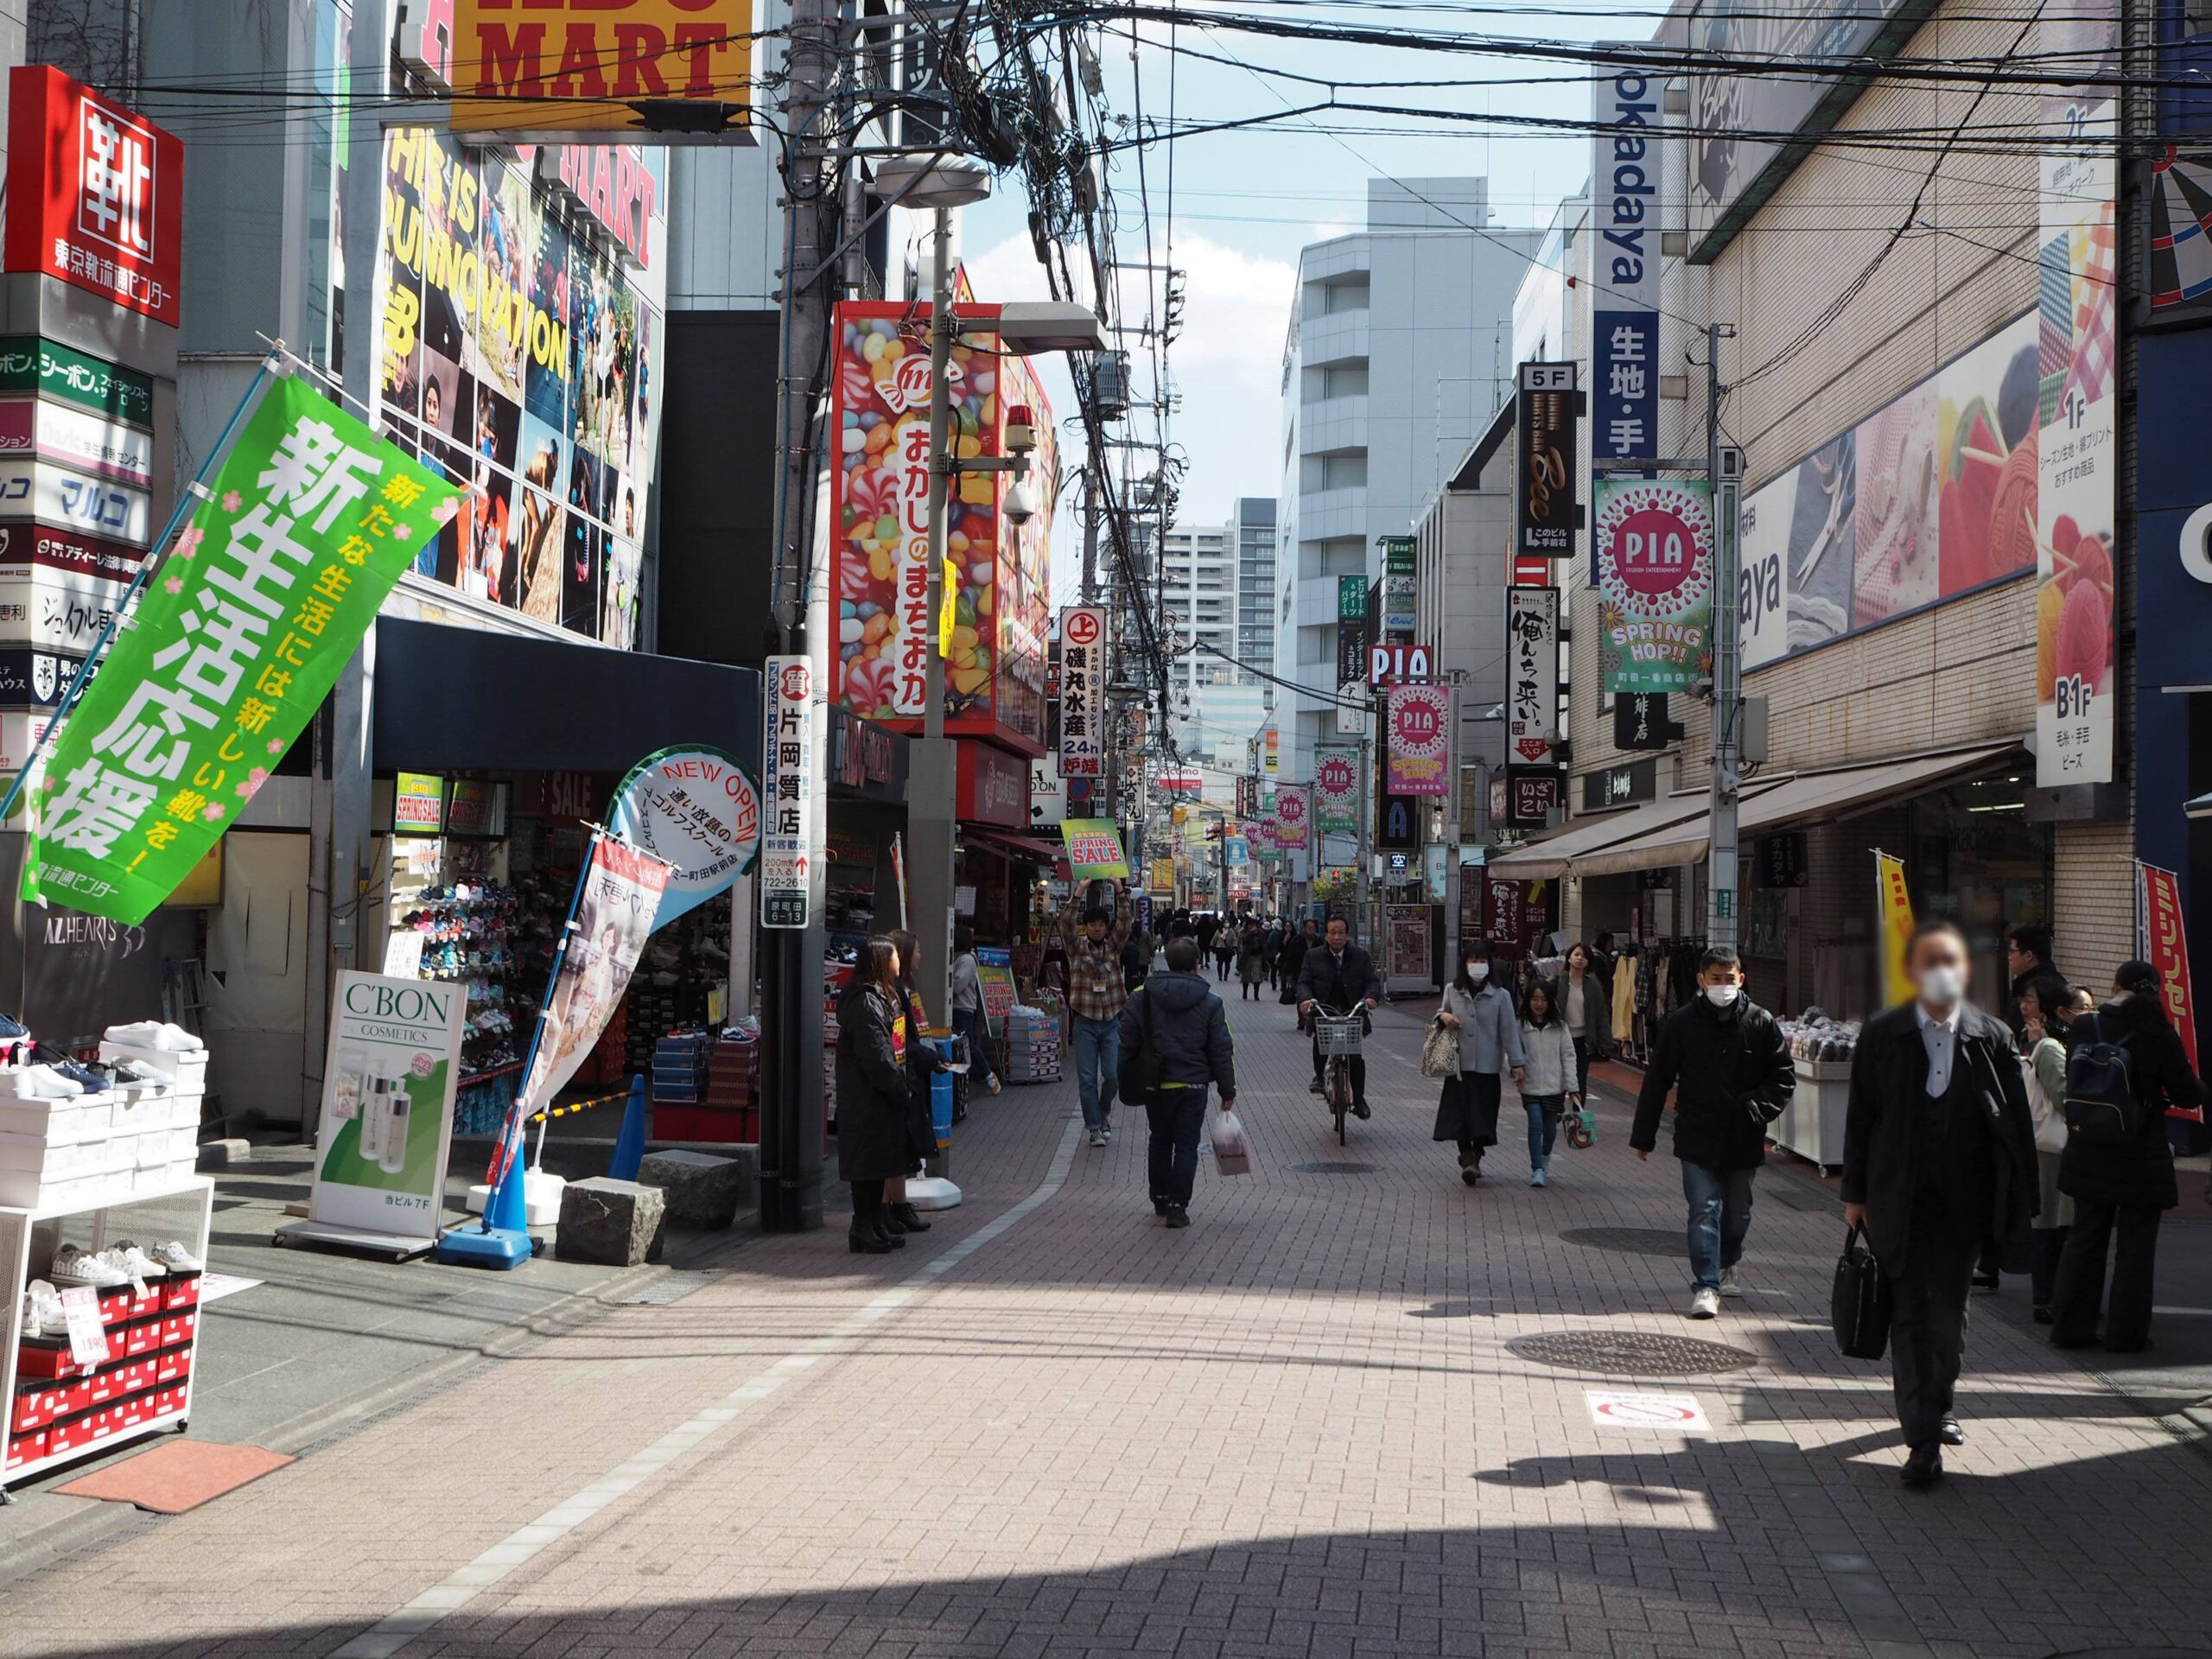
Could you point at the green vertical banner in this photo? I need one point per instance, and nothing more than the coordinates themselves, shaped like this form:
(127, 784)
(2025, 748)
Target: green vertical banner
(229, 651)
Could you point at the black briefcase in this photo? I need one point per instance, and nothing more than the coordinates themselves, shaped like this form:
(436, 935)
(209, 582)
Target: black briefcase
(1859, 1308)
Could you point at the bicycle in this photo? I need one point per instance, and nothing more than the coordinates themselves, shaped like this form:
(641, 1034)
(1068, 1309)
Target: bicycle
(1337, 1037)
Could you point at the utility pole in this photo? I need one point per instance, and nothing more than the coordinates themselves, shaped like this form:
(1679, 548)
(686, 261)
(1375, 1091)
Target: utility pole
(1090, 532)
(933, 765)
(791, 1129)
(1725, 468)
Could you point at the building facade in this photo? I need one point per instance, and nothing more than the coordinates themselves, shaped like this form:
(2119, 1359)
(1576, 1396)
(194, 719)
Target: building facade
(1216, 595)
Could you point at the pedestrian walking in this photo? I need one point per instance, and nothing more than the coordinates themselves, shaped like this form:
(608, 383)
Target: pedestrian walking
(1548, 1060)
(1097, 991)
(924, 1061)
(874, 1142)
(1586, 1009)
(1724, 1058)
(1341, 977)
(1176, 1028)
(968, 1020)
(2042, 1069)
(1938, 1163)
(1271, 948)
(1251, 963)
(2121, 1185)
(1295, 948)
(1224, 950)
(1481, 1013)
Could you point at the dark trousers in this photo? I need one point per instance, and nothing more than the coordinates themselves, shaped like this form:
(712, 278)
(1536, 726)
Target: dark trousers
(1582, 1069)
(1176, 1116)
(1928, 1330)
(868, 1206)
(2050, 1243)
(1359, 1064)
(2132, 1231)
(969, 1022)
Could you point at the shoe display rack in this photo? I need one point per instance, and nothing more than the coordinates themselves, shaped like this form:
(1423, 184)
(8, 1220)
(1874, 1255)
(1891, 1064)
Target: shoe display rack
(53, 1411)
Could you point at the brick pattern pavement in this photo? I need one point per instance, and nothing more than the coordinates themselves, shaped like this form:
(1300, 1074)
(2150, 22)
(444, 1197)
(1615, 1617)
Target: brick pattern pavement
(1294, 1429)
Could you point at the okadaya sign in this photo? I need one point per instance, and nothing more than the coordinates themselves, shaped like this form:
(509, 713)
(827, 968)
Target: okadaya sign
(387, 1104)
(698, 807)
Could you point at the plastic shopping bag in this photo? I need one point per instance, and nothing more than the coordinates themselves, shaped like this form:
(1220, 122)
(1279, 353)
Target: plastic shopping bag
(1232, 1153)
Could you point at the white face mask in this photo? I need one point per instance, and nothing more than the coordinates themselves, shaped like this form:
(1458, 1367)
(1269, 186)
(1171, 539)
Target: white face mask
(1942, 987)
(1723, 996)
(1478, 971)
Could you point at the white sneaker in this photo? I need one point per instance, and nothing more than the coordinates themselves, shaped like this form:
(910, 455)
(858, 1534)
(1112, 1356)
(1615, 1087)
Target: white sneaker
(72, 1264)
(1099, 1137)
(42, 1315)
(134, 1262)
(1730, 1284)
(174, 1255)
(1705, 1304)
(1537, 1178)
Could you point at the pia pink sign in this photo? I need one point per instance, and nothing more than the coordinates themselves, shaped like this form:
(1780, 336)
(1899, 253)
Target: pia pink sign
(1293, 810)
(1418, 729)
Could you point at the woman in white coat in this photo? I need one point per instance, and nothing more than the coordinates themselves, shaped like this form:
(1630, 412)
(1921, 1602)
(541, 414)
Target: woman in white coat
(1548, 1061)
(1490, 1041)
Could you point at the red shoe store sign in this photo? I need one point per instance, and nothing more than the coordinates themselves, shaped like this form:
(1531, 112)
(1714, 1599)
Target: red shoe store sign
(95, 193)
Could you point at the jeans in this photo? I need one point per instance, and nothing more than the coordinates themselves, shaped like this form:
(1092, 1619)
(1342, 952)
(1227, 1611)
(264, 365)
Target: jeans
(1176, 1116)
(969, 1023)
(2132, 1231)
(1097, 1067)
(1928, 1330)
(1720, 1214)
(1544, 1113)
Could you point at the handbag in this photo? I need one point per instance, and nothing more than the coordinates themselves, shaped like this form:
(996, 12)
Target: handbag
(1859, 1309)
(1439, 1051)
(1138, 1078)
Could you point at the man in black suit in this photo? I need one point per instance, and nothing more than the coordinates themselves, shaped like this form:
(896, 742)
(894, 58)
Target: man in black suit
(1340, 976)
(1938, 1165)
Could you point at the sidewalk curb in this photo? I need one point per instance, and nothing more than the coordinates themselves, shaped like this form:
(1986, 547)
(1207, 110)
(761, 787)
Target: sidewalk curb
(75, 1529)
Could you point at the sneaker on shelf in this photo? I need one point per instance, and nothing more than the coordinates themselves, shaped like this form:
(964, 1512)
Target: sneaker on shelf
(44, 1083)
(74, 1265)
(136, 1262)
(174, 1255)
(1730, 1284)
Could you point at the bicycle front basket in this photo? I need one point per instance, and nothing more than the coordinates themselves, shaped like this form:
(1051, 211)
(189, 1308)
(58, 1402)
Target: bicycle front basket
(1337, 1034)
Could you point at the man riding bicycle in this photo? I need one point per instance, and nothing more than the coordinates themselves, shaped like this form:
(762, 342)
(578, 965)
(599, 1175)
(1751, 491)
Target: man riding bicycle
(1339, 975)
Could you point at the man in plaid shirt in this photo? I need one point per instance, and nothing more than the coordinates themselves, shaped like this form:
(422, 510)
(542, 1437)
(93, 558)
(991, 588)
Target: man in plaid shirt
(1096, 995)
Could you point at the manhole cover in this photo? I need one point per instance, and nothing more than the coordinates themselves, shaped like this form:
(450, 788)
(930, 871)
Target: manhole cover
(1331, 1169)
(1638, 1241)
(1630, 1353)
(669, 1287)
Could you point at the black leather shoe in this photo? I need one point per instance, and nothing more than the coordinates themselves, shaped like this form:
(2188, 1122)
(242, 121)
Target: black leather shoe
(1359, 1109)
(1951, 1433)
(908, 1217)
(867, 1243)
(890, 1222)
(1924, 1467)
(1178, 1215)
(1160, 1207)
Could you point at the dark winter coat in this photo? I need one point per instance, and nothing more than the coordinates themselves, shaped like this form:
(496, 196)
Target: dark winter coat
(1892, 1125)
(2141, 1170)
(1320, 979)
(1295, 950)
(1251, 955)
(1731, 1076)
(1188, 1031)
(873, 1098)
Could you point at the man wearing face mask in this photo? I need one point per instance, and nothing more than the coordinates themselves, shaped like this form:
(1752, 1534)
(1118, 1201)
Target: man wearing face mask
(1938, 1165)
(1725, 1059)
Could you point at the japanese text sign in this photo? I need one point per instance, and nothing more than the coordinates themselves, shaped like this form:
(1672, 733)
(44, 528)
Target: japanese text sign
(698, 808)
(559, 66)
(1532, 672)
(1546, 480)
(231, 648)
(1653, 544)
(787, 764)
(1082, 692)
(1624, 217)
(95, 193)
(1895, 904)
(1094, 850)
(1419, 730)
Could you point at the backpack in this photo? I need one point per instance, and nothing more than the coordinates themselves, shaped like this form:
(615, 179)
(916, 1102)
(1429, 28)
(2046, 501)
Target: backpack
(2100, 1105)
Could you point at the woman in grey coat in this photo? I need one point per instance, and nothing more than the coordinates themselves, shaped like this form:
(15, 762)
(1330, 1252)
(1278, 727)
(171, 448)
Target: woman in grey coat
(1489, 1042)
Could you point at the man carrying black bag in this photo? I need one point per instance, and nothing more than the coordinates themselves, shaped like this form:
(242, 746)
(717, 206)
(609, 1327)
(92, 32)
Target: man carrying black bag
(1938, 1162)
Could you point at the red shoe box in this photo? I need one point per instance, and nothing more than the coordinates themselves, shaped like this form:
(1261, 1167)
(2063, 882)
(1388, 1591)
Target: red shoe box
(69, 1433)
(707, 1123)
(178, 1329)
(41, 1360)
(172, 1365)
(180, 1291)
(139, 1408)
(132, 1340)
(36, 1406)
(25, 1448)
(169, 1403)
(119, 1303)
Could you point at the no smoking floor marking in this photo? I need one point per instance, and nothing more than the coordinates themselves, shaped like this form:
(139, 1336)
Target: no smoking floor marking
(1679, 1413)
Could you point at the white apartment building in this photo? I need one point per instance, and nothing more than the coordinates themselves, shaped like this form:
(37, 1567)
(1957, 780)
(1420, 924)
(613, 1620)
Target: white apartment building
(1400, 349)
(1217, 591)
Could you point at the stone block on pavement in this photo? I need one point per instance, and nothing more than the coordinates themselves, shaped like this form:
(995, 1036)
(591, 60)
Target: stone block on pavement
(223, 1155)
(615, 1223)
(701, 1191)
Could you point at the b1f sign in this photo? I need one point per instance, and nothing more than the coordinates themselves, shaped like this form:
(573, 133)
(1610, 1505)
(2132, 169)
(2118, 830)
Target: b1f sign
(95, 193)
(1625, 212)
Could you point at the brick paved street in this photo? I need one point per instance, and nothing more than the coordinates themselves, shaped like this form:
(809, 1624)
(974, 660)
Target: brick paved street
(1295, 1429)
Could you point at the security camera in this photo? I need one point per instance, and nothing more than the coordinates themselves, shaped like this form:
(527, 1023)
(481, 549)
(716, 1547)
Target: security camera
(1021, 502)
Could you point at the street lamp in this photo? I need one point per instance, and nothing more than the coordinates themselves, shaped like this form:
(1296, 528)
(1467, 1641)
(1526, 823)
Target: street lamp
(941, 183)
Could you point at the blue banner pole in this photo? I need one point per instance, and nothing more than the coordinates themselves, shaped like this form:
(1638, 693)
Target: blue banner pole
(187, 498)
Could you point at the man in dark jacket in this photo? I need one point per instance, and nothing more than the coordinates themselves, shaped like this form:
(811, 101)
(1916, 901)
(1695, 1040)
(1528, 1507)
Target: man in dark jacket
(2027, 954)
(1180, 1023)
(1296, 946)
(1725, 1059)
(1938, 1166)
(1341, 977)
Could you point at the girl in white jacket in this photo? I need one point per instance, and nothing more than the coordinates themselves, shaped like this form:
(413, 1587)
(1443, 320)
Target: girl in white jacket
(1549, 1048)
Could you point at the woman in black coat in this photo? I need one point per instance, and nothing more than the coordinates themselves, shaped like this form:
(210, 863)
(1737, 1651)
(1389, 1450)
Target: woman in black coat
(2121, 1188)
(873, 1145)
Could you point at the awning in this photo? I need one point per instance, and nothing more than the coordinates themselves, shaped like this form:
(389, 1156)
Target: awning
(1791, 800)
(1009, 845)
(1557, 854)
